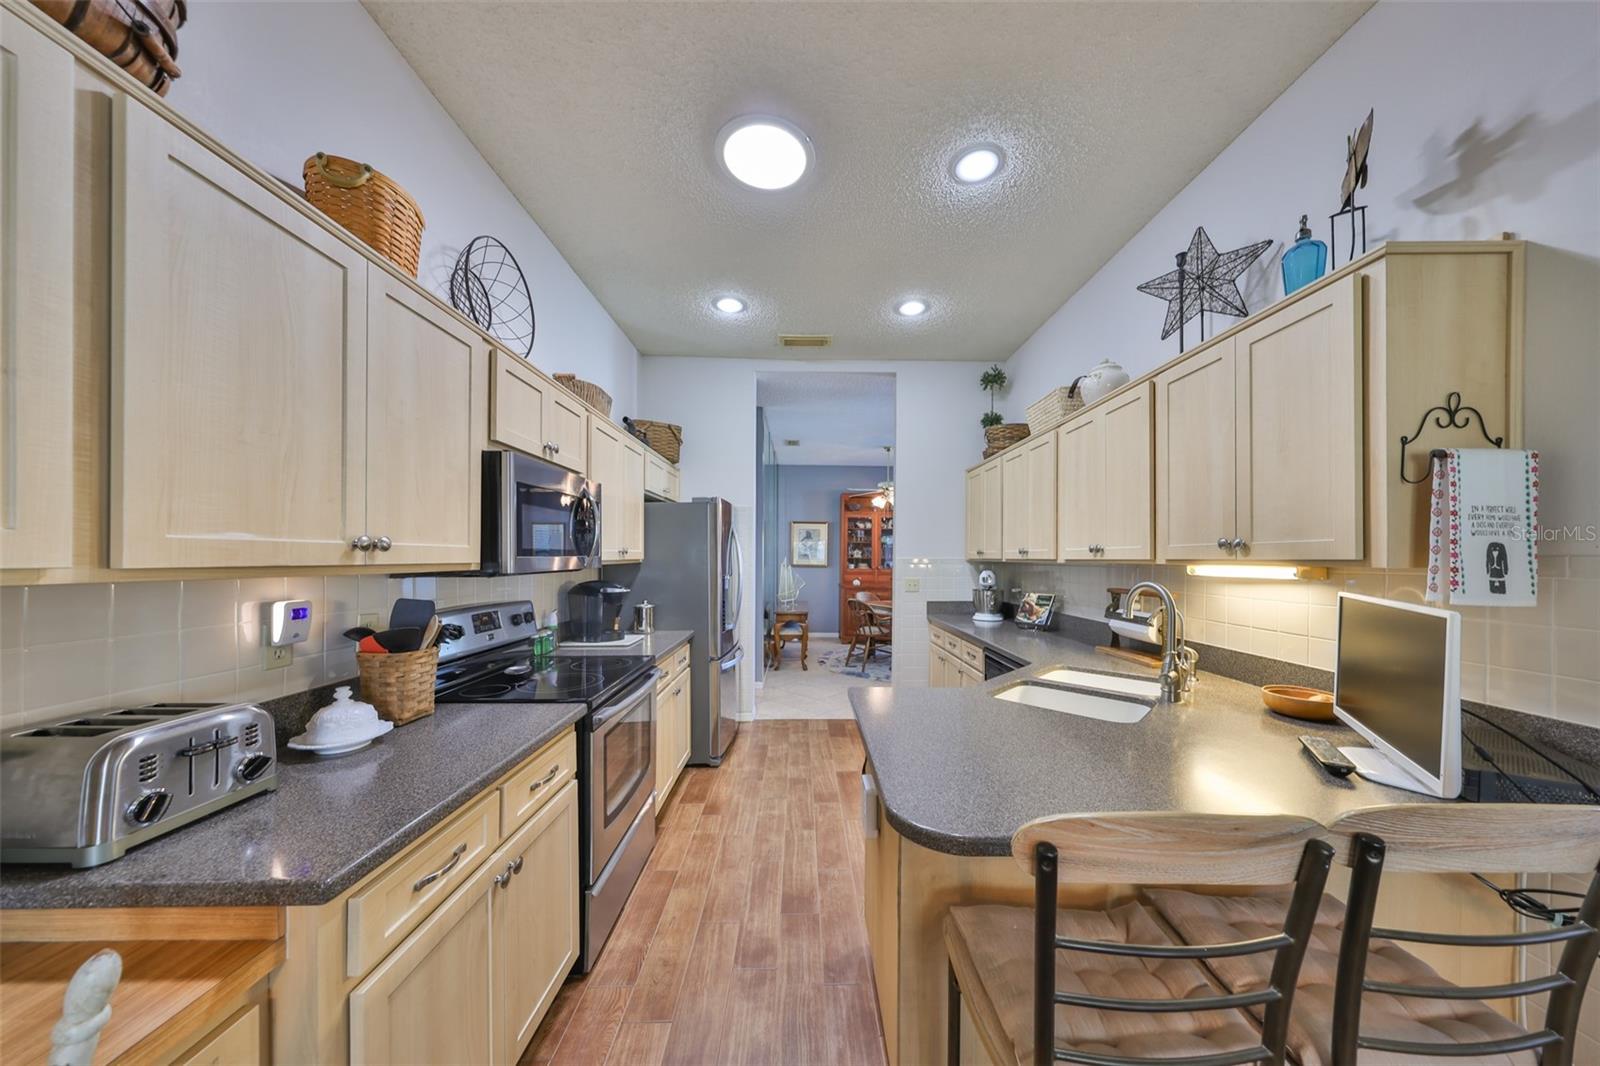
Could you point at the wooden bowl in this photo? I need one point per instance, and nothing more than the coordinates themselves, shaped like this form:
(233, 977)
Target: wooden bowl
(1310, 704)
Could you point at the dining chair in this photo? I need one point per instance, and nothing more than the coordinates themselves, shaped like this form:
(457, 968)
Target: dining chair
(1110, 987)
(866, 632)
(1362, 996)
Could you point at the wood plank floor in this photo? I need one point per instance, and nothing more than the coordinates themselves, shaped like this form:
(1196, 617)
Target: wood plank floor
(744, 940)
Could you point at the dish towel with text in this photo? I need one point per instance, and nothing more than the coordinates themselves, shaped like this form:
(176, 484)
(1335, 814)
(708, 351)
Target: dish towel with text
(1483, 531)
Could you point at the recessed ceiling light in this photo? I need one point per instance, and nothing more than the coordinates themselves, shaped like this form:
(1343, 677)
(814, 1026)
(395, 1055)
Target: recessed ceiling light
(764, 153)
(912, 308)
(977, 164)
(729, 305)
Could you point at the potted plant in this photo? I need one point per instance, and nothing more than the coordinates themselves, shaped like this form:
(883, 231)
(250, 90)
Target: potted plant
(997, 433)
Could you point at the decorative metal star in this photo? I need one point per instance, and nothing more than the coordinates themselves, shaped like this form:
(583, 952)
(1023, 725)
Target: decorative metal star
(1207, 281)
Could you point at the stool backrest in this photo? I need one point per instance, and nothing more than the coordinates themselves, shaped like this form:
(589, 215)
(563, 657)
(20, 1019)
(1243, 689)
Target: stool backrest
(1447, 838)
(1160, 848)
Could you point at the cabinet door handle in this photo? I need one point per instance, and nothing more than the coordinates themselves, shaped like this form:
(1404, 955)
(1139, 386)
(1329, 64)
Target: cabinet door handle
(1239, 544)
(1222, 543)
(516, 867)
(428, 879)
(503, 878)
(554, 447)
(546, 779)
(383, 544)
(362, 543)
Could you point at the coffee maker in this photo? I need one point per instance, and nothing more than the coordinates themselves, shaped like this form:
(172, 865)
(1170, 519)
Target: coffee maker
(594, 610)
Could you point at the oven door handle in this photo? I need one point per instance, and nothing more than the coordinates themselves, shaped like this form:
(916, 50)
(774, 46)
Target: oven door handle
(603, 722)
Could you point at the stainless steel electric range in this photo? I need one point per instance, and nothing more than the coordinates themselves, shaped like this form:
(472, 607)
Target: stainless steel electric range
(488, 657)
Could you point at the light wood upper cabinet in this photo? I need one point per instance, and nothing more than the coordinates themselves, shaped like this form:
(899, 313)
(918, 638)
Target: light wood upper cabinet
(1298, 413)
(616, 460)
(985, 495)
(1106, 480)
(36, 349)
(661, 478)
(239, 366)
(1028, 500)
(423, 470)
(534, 921)
(432, 999)
(1195, 455)
(533, 414)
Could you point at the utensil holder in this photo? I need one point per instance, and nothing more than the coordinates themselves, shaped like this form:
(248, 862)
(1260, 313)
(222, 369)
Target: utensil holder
(400, 684)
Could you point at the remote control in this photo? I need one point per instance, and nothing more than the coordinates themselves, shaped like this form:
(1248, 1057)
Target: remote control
(1331, 758)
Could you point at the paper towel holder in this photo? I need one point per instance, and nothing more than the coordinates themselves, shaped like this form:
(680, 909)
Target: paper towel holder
(1450, 415)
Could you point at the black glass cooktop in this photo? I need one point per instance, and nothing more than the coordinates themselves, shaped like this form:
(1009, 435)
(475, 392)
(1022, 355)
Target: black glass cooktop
(512, 675)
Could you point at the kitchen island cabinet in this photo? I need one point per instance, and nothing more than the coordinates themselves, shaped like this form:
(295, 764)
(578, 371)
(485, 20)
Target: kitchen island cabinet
(957, 772)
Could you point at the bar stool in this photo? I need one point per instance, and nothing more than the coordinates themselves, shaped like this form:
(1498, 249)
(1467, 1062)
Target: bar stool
(1112, 982)
(1359, 990)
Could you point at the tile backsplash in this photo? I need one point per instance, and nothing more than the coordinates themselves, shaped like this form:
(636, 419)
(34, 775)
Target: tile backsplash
(1543, 660)
(70, 648)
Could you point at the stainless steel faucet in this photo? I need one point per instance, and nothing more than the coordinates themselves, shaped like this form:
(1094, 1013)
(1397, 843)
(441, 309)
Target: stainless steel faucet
(1178, 660)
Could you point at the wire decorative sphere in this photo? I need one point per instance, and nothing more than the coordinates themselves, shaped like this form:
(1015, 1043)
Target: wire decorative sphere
(488, 287)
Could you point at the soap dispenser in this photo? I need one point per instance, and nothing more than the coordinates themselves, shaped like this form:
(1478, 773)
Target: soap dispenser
(1305, 262)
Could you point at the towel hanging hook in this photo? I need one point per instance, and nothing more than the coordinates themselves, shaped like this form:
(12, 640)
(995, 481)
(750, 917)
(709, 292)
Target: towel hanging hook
(1449, 415)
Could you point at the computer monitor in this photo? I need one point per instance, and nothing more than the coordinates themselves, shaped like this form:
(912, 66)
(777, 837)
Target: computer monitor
(1397, 682)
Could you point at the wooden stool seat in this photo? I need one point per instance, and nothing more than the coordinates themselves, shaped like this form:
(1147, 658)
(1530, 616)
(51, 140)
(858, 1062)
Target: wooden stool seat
(991, 952)
(1205, 919)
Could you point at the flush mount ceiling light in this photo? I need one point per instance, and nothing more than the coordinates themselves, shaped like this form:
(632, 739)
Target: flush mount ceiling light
(977, 164)
(1259, 573)
(912, 308)
(764, 153)
(728, 305)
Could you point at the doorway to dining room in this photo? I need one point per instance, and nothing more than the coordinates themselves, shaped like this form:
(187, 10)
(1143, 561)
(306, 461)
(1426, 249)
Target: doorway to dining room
(825, 527)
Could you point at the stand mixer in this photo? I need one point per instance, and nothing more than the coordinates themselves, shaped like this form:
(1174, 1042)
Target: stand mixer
(986, 599)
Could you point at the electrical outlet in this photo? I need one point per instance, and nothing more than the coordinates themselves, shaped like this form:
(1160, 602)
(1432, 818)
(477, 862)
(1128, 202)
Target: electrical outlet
(913, 584)
(277, 658)
(369, 620)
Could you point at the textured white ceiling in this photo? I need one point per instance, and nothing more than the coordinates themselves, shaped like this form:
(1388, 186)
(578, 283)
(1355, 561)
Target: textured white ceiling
(601, 118)
(839, 419)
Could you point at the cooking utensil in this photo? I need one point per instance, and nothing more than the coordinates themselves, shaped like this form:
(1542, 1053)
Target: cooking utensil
(401, 639)
(430, 635)
(411, 614)
(357, 632)
(369, 645)
(1295, 701)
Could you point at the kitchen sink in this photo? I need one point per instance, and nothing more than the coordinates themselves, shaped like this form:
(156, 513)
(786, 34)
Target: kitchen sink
(1106, 706)
(1130, 686)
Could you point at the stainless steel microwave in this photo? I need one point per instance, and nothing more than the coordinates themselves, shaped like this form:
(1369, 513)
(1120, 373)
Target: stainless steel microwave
(537, 517)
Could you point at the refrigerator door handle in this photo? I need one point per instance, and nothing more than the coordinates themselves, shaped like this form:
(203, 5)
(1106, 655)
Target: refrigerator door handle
(729, 663)
(738, 571)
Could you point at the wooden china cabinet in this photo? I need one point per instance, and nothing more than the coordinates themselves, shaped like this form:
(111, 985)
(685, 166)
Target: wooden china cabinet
(866, 553)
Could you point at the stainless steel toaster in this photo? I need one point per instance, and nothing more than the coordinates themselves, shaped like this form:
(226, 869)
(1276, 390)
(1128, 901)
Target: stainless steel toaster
(85, 789)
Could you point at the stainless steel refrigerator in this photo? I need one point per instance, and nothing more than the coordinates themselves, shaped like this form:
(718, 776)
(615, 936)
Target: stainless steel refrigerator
(693, 573)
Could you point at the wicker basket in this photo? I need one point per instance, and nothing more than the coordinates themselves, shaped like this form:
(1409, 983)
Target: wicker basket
(664, 438)
(1054, 408)
(587, 391)
(399, 685)
(1000, 438)
(368, 204)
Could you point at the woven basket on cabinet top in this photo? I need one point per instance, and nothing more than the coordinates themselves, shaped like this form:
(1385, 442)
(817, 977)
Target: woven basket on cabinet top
(400, 684)
(664, 438)
(587, 391)
(369, 204)
(1053, 408)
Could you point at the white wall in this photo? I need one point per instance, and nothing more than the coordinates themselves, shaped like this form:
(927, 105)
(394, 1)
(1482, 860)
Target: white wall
(277, 81)
(1488, 120)
(937, 437)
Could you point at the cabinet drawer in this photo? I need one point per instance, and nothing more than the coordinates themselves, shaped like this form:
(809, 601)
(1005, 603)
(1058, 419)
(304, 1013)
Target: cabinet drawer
(970, 653)
(539, 778)
(680, 661)
(380, 915)
(940, 639)
(236, 1042)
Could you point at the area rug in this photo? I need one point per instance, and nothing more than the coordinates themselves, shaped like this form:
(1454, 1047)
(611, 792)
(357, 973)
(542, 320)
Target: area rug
(877, 668)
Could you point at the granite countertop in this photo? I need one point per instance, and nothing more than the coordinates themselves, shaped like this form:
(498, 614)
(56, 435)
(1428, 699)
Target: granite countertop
(959, 771)
(655, 645)
(330, 822)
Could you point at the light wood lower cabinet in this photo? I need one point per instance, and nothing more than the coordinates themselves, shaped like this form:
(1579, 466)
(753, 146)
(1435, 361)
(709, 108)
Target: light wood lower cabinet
(953, 662)
(534, 922)
(239, 1041)
(533, 414)
(1107, 478)
(985, 496)
(36, 304)
(673, 701)
(1028, 501)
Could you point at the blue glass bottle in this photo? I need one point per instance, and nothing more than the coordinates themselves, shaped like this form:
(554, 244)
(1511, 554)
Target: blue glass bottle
(1305, 262)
